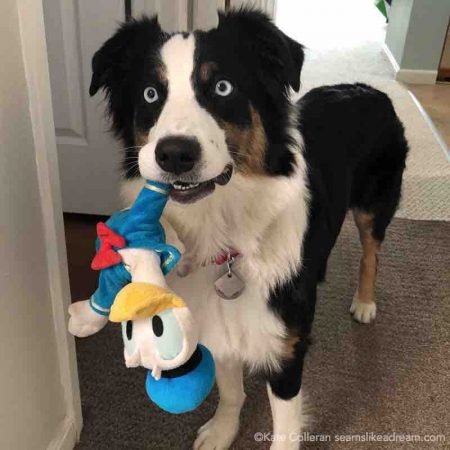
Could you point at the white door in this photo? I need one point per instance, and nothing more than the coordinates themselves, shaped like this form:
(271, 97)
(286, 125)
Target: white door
(89, 157)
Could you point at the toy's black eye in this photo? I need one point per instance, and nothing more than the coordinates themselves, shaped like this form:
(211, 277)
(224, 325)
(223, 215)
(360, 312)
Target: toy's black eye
(129, 330)
(223, 88)
(128, 337)
(150, 94)
(158, 326)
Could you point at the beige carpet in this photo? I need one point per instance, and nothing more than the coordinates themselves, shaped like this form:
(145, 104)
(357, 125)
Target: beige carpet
(344, 42)
(390, 376)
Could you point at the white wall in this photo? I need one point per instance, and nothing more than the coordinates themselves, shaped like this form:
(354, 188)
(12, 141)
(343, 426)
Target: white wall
(397, 30)
(416, 33)
(38, 388)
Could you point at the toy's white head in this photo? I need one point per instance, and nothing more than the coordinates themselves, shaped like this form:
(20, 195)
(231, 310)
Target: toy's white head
(157, 327)
(163, 341)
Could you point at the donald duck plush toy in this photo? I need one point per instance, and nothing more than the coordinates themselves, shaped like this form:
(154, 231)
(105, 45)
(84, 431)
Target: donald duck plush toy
(158, 329)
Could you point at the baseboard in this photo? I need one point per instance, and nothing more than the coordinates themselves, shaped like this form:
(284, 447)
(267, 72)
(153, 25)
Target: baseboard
(417, 76)
(410, 75)
(66, 436)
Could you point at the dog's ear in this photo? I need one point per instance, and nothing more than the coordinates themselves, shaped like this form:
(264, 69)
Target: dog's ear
(297, 57)
(279, 58)
(116, 57)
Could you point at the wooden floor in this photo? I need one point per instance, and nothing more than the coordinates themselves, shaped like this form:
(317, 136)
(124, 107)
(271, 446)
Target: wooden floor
(80, 242)
(435, 100)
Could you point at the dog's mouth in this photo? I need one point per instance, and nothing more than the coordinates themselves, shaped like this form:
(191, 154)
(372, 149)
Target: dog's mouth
(183, 192)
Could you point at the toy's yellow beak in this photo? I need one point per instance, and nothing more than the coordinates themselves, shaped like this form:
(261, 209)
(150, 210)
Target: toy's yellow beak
(141, 300)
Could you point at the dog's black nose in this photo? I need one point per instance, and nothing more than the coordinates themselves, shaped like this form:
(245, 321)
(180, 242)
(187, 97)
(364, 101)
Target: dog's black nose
(177, 154)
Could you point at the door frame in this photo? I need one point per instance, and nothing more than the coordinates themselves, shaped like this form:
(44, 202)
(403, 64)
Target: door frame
(268, 6)
(173, 15)
(34, 53)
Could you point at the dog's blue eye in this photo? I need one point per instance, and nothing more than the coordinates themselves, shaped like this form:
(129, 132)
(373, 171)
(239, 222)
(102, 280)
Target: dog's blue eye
(150, 94)
(223, 88)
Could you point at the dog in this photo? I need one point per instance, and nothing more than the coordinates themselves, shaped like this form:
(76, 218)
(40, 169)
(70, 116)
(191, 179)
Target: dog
(258, 182)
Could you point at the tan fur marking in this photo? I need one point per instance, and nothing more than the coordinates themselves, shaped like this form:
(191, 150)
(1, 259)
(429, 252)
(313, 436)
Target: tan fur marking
(290, 344)
(161, 73)
(369, 261)
(247, 145)
(205, 70)
(141, 138)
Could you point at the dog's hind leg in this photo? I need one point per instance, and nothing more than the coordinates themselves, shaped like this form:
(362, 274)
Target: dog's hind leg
(363, 306)
(220, 431)
(375, 196)
(372, 215)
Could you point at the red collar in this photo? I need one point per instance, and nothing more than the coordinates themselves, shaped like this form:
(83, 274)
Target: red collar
(221, 258)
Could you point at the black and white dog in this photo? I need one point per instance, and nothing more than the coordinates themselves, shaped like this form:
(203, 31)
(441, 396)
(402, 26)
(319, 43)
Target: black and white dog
(209, 113)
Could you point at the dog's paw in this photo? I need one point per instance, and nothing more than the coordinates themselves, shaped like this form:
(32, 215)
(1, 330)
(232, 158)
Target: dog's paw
(218, 433)
(83, 321)
(363, 312)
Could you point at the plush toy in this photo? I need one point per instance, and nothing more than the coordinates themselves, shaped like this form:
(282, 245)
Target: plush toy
(158, 329)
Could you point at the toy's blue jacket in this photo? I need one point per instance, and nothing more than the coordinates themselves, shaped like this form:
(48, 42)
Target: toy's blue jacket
(140, 227)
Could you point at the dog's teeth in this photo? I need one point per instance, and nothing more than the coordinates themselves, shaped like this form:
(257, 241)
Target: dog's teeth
(184, 186)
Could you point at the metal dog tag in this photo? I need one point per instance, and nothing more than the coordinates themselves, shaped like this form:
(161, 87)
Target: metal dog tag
(229, 286)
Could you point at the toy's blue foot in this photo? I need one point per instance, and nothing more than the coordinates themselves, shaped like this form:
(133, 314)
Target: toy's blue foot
(183, 393)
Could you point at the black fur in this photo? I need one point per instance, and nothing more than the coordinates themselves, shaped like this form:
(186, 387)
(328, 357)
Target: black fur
(123, 67)
(263, 63)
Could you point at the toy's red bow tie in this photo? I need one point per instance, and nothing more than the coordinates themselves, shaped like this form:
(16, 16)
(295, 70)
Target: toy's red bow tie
(106, 255)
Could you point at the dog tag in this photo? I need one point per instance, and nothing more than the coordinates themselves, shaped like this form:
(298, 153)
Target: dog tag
(229, 286)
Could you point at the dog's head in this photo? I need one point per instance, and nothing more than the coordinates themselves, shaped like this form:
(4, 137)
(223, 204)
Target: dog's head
(193, 108)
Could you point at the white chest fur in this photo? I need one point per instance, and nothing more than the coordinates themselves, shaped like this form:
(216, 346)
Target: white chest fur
(265, 220)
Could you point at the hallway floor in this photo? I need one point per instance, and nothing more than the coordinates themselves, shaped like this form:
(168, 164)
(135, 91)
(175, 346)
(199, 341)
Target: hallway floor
(384, 377)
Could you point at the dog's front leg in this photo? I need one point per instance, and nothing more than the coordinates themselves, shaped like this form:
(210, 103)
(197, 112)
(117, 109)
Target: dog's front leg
(285, 399)
(220, 431)
(288, 421)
